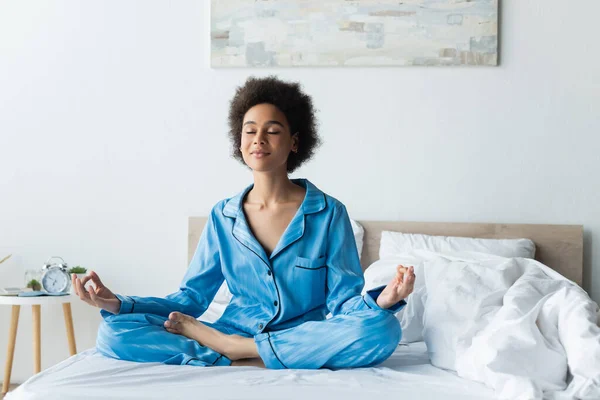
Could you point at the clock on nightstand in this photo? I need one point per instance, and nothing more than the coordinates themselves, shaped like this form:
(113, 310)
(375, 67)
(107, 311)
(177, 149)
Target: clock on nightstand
(56, 278)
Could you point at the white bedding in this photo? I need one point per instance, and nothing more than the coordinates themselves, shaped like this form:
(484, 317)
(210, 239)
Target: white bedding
(511, 323)
(407, 374)
(494, 326)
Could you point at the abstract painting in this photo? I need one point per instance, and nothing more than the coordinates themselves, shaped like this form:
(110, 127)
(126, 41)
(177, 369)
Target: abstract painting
(288, 33)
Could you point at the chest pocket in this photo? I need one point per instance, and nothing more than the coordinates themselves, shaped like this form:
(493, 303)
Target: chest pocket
(310, 263)
(311, 281)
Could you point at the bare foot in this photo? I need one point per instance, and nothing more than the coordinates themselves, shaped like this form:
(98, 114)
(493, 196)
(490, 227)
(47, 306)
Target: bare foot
(190, 327)
(234, 347)
(249, 362)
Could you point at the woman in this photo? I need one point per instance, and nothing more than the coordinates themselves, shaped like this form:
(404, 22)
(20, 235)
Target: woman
(288, 254)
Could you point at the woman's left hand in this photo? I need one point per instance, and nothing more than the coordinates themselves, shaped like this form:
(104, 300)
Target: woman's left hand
(399, 287)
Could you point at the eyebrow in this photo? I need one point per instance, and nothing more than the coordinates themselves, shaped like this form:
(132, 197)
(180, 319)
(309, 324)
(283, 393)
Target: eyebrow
(273, 122)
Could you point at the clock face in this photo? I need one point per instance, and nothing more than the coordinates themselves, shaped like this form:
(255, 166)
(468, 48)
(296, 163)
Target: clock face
(55, 280)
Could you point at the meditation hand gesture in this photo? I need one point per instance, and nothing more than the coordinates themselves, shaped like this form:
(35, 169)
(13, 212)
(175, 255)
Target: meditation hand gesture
(399, 288)
(99, 296)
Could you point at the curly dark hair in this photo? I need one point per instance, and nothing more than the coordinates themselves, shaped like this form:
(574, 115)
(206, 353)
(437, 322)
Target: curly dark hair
(290, 100)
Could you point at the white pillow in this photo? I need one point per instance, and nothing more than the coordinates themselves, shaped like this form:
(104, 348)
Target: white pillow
(397, 243)
(359, 233)
(411, 316)
(223, 295)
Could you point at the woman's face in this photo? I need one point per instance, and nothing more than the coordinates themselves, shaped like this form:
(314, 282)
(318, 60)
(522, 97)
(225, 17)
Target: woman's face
(266, 138)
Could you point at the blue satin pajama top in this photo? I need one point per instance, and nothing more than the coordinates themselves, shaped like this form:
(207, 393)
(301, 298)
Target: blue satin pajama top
(313, 270)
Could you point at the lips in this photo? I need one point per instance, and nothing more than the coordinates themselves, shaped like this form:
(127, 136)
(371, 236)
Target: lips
(260, 154)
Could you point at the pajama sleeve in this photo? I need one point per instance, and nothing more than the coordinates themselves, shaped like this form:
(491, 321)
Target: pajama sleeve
(345, 279)
(198, 288)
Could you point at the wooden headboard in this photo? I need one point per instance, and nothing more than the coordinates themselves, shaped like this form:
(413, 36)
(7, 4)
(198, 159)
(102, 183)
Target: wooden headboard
(558, 246)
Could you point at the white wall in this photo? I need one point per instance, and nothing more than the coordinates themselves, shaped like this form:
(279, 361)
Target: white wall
(113, 132)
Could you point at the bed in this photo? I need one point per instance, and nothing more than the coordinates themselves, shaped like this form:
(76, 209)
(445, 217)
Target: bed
(408, 373)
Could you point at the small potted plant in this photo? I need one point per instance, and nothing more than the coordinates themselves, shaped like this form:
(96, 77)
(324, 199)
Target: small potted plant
(79, 271)
(34, 285)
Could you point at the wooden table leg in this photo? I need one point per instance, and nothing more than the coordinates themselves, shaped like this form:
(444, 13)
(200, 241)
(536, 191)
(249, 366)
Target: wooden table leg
(12, 339)
(69, 326)
(37, 347)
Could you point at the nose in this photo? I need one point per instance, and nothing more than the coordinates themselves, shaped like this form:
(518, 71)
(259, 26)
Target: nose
(260, 137)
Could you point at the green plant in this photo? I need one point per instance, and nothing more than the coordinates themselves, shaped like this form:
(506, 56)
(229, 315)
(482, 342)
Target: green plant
(34, 285)
(77, 270)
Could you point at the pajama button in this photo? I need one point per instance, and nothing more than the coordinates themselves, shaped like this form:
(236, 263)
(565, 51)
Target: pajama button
(260, 326)
(275, 303)
(269, 273)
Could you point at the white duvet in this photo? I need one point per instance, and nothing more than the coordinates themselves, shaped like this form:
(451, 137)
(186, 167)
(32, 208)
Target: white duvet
(511, 323)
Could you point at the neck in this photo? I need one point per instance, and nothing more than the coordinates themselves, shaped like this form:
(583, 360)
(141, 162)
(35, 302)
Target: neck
(271, 188)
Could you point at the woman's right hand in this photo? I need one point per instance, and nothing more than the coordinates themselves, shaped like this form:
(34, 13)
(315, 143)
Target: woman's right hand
(96, 295)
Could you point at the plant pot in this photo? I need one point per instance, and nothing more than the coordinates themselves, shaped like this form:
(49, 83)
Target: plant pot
(80, 276)
(33, 275)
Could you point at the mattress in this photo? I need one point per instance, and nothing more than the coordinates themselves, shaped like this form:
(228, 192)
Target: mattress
(90, 375)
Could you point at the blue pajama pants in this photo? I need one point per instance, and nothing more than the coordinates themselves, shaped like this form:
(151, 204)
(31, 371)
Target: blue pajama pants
(360, 338)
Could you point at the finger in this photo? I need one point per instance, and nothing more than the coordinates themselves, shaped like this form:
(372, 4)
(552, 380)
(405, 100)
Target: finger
(400, 278)
(82, 293)
(74, 284)
(85, 280)
(95, 300)
(96, 279)
(401, 268)
(87, 300)
(92, 293)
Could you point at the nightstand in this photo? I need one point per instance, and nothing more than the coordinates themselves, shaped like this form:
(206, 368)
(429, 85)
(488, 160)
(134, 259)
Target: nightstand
(35, 303)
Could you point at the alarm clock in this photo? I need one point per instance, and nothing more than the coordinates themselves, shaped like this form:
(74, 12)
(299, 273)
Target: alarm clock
(56, 278)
